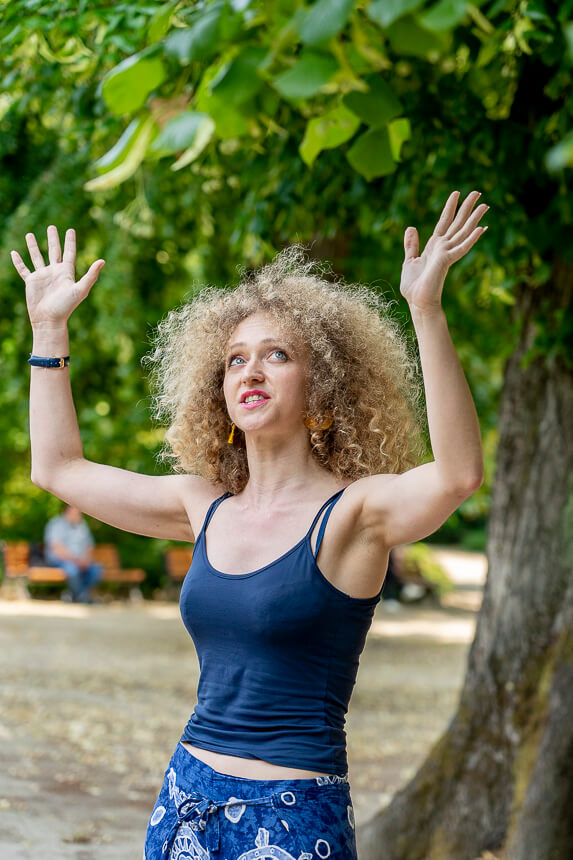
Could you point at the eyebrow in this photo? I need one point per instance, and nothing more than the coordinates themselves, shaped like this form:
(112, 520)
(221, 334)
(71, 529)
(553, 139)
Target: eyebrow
(266, 340)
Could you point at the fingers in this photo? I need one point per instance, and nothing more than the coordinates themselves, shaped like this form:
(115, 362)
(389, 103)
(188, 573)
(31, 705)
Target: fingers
(54, 250)
(70, 246)
(470, 224)
(19, 265)
(463, 214)
(90, 277)
(447, 214)
(411, 243)
(458, 252)
(35, 254)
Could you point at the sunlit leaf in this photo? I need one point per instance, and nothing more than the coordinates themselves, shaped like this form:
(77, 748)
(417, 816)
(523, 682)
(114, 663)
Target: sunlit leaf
(399, 131)
(130, 164)
(323, 20)
(371, 155)
(200, 41)
(385, 12)
(119, 150)
(561, 155)
(327, 132)
(444, 15)
(159, 24)
(179, 133)
(307, 77)
(126, 87)
(202, 137)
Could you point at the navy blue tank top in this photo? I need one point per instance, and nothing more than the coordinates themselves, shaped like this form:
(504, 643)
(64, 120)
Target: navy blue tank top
(278, 653)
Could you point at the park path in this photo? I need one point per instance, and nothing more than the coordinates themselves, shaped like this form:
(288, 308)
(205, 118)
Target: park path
(94, 698)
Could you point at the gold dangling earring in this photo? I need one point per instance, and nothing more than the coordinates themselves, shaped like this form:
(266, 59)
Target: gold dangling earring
(231, 438)
(313, 424)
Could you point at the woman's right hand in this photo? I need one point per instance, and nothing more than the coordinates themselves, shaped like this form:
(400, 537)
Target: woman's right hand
(51, 291)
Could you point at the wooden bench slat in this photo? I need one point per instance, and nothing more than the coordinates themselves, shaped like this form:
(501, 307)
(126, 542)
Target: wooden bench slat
(178, 562)
(16, 555)
(46, 574)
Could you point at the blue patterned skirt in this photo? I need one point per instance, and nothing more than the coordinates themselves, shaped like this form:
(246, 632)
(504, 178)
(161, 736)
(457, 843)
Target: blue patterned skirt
(202, 814)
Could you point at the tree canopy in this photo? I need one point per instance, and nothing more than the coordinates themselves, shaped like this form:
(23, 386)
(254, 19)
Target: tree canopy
(184, 140)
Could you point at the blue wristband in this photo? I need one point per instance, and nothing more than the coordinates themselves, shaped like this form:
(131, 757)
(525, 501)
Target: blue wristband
(40, 361)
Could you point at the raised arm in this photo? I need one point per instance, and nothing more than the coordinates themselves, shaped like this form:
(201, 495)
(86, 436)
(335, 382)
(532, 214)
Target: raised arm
(408, 507)
(156, 506)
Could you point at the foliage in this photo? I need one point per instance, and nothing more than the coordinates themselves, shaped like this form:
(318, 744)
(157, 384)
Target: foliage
(183, 140)
(421, 560)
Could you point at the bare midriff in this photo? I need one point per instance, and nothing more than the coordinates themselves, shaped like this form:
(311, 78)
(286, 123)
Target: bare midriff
(248, 768)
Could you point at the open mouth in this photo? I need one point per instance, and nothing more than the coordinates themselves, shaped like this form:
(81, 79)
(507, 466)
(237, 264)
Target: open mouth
(254, 403)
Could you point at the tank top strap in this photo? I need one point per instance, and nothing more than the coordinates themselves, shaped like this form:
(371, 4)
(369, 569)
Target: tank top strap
(212, 508)
(329, 502)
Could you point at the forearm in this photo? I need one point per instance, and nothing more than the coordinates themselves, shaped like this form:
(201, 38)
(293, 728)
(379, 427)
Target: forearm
(60, 550)
(452, 417)
(54, 432)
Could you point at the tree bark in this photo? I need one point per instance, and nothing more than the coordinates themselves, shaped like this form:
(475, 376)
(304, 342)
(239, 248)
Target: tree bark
(499, 782)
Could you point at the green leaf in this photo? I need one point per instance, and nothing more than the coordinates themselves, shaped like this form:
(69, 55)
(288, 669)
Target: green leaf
(121, 148)
(399, 131)
(327, 132)
(568, 33)
(377, 106)
(129, 165)
(200, 41)
(561, 155)
(239, 80)
(409, 38)
(324, 20)
(202, 137)
(126, 87)
(308, 75)
(445, 15)
(371, 155)
(179, 133)
(230, 121)
(159, 23)
(385, 12)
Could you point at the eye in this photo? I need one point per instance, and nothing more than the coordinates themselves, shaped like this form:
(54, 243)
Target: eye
(274, 351)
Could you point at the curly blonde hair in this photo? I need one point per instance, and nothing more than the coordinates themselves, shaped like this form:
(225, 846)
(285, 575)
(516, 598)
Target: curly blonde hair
(361, 370)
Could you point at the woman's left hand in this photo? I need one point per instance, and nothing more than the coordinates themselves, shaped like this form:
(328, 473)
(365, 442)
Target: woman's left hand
(423, 276)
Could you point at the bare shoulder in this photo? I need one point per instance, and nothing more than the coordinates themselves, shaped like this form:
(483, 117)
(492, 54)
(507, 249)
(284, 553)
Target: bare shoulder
(404, 508)
(197, 494)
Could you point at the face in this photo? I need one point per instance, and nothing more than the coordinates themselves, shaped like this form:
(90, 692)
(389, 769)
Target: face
(259, 356)
(74, 515)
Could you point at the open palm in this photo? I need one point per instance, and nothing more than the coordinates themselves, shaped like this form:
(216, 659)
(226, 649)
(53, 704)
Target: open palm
(52, 292)
(423, 276)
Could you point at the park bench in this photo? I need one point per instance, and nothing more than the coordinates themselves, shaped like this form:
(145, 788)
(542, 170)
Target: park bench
(177, 562)
(19, 565)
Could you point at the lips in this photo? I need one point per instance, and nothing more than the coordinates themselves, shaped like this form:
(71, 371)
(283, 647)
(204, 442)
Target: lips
(252, 393)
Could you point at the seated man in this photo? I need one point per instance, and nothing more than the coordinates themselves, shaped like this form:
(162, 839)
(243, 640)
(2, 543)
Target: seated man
(68, 544)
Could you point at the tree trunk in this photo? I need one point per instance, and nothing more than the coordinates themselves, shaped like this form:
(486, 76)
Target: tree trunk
(499, 782)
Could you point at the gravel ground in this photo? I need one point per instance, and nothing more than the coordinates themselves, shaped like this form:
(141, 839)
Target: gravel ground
(94, 699)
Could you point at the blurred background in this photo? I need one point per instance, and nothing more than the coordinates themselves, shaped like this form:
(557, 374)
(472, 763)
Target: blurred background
(186, 142)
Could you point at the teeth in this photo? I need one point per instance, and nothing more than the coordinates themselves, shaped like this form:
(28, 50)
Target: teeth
(253, 397)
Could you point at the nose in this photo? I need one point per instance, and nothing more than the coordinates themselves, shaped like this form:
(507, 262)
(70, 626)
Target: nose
(252, 370)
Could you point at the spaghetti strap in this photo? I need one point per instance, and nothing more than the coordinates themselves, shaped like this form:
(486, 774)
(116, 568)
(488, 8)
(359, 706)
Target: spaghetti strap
(212, 508)
(331, 501)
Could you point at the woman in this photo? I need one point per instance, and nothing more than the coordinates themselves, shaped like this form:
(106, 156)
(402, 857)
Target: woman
(291, 401)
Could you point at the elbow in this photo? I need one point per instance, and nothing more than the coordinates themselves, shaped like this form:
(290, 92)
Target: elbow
(472, 483)
(40, 481)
